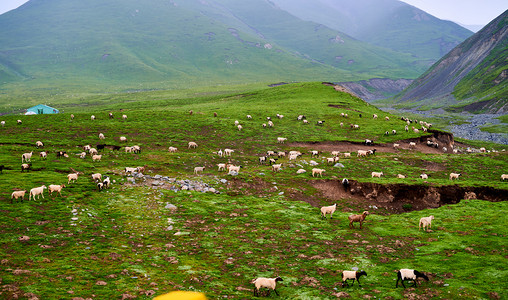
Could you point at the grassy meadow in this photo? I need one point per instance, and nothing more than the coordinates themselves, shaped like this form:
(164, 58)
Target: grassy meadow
(128, 242)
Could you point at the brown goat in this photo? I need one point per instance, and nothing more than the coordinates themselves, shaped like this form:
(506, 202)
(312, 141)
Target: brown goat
(357, 218)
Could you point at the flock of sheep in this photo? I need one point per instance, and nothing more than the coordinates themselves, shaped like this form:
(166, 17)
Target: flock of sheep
(271, 157)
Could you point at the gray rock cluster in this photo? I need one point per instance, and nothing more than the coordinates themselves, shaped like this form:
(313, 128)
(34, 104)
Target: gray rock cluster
(173, 184)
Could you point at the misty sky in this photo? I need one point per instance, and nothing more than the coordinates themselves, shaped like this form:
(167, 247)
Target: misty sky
(467, 12)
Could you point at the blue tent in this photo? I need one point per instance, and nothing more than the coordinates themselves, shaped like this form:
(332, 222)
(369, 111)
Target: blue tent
(41, 109)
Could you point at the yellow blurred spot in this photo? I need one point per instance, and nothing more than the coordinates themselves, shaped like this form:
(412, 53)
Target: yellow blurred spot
(179, 295)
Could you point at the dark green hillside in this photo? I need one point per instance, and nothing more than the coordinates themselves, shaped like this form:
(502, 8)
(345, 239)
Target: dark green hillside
(54, 46)
(471, 77)
(390, 24)
(166, 230)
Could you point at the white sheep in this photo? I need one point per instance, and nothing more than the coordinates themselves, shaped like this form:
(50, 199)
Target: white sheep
(237, 123)
(270, 124)
(43, 154)
(424, 176)
(249, 117)
(101, 136)
(300, 171)
(192, 145)
(408, 274)
(228, 152)
(347, 154)
(395, 145)
(335, 153)
(130, 170)
(3, 123)
(400, 176)
(106, 182)
(362, 153)
(198, 169)
(454, 176)
(93, 151)
(97, 177)
(374, 116)
(36, 192)
(72, 177)
(328, 210)
(376, 174)
(281, 154)
(25, 167)
(276, 167)
(239, 127)
(86, 148)
(97, 157)
(233, 168)
(92, 117)
(172, 149)
(504, 177)
(123, 139)
(39, 144)
(346, 275)
(387, 118)
(269, 283)
(314, 153)
(318, 172)
(281, 140)
(412, 145)
(19, 122)
(25, 157)
(18, 194)
(221, 167)
(424, 222)
(72, 116)
(111, 116)
(55, 188)
(124, 117)
(293, 156)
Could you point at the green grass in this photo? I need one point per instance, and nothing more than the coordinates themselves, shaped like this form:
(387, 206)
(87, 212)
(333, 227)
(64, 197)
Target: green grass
(259, 225)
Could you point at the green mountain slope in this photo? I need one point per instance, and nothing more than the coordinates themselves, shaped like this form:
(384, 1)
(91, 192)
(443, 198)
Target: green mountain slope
(386, 23)
(472, 77)
(117, 45)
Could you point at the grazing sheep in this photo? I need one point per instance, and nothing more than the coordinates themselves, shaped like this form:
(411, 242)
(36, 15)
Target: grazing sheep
(345, 183)
(281, 154)
(136, 149)
(280, 116)
(39, 144)
(233, 168)
(300, 171)
(43, 154)
(25, 157)
(3, 123)
(72, 117)
(111, 116)
(192, 145)
(276, 167)
(72, 177)
(354, 126)
(318, 172)
(124, 117)
(97, 157)
(140, 169)
(281, 140)
(55, 188)
(376, 174)
(328, 210)
(198, 169)
(215, 114)
(395, 146)
(93, 151)
(86, 148)
(100, 186)
(305, 122)
(172, 149)
(335, 153)
(320, 123)
(408, 274)
(272, 161)
(332, 159)
(400, 176)
(301, 117)
(504, 177)
(424, 176)
(130, 170)
(264, 125)
(221, 167)
(190, 112)
(362, 153)
(293, 156)
(101, 136)
(106, 182)
(483, 150)
(357, 218)
(228, 152)
(269, 283)
(36, 192)
(346, 275)
(249, 117)
(237, 123)
(19, 122)
(25, 167)
(123, 139)
(314, 153)
(262, 159)
(412, 145)
(415, 130)
(18, 194)
(374, 116)
(406, 128)
(270, 153)
(239, 127)
(270, 124)
(97, 177)
(454, 176)
(367, 142)
(394, 132)
(424, 222)
(92, 117)
(445, 149)
(347, 154)
(387, 118)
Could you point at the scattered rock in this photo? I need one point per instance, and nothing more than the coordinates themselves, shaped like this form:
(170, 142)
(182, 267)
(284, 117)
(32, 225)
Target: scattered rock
(341, 295)
(23, 238)
(100, 282)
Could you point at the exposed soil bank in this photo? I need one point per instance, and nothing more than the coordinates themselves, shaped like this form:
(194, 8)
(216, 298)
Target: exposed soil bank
(396, 197)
